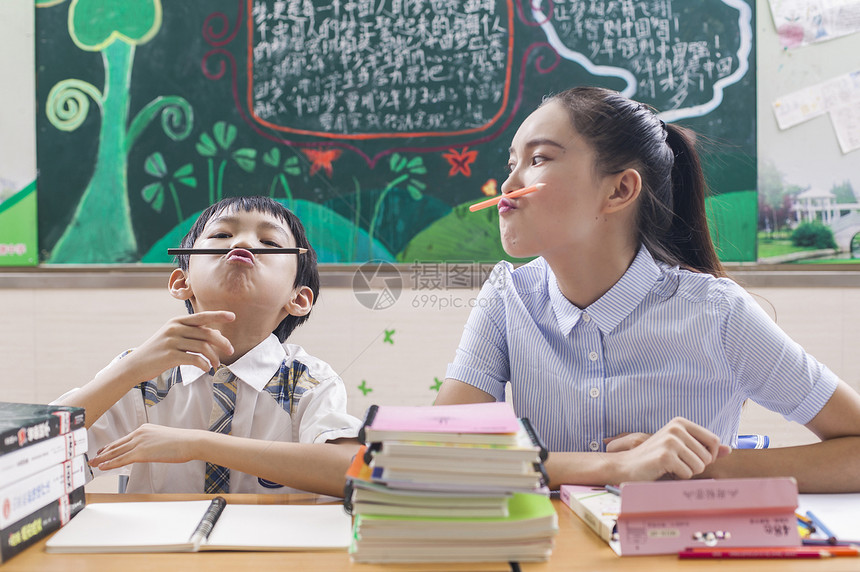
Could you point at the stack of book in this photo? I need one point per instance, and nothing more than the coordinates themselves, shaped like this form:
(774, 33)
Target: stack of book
(42, 472)
(460, 483)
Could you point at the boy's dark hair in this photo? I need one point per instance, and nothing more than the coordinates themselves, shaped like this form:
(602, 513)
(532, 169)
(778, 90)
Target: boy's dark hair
(307, 273)
(626, 134)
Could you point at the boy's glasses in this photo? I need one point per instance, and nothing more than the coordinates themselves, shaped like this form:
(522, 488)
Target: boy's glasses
(182, 251)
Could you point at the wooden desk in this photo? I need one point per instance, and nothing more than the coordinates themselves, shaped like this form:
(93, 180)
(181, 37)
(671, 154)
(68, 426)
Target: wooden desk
(577, 548)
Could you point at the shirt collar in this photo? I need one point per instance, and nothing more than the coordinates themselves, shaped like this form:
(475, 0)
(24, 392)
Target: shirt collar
(256, 368)
(610, 309)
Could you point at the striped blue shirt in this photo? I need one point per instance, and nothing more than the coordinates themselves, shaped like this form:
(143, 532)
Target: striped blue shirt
(661, 343)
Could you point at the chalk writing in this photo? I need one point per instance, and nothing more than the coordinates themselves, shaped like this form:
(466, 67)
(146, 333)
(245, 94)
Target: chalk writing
(363, 69)
(659, 47)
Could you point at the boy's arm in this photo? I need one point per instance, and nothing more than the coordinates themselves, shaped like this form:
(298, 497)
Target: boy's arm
(185, 340)
(313, 467)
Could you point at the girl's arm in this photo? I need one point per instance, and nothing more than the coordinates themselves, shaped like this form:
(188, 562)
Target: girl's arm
(831, 466)
(454, 392)
(681, 448)
(313, 467)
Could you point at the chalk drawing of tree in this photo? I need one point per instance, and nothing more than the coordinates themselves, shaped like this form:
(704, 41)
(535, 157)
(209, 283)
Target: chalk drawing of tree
(154, 193)
(272, 158)
(217, 147)
(101, 230)
(405, 169)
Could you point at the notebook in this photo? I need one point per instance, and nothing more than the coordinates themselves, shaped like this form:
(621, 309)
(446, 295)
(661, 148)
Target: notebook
(596, 506)
(168, 526)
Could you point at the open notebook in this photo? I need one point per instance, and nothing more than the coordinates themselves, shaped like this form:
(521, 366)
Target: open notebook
(168, 527)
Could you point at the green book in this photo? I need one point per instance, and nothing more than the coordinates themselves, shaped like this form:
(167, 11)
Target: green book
(526, 535)
(529, 515)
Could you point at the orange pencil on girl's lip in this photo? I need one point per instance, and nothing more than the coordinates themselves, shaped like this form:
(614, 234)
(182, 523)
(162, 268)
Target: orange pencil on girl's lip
(512, 195)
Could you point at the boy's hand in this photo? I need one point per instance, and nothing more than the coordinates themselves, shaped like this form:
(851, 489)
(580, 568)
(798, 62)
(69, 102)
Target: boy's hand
(147, 444)
(185, 340)
(681, 448)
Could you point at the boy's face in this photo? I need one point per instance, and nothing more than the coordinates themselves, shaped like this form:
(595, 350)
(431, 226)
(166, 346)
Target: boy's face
(242, 282)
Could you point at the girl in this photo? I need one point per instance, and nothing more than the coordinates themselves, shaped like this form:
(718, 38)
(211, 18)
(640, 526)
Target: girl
(624, 342)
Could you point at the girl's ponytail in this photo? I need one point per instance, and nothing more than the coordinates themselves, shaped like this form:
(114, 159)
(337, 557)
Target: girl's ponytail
(689, 233)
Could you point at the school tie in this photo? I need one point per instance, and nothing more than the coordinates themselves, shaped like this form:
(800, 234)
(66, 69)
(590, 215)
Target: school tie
(221, 421)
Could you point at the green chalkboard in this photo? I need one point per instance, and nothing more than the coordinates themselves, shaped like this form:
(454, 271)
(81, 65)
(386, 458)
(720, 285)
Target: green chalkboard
(376, 121)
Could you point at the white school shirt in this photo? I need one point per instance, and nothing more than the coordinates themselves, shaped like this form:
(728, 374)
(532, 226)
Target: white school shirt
(315, 412)
(662, 342)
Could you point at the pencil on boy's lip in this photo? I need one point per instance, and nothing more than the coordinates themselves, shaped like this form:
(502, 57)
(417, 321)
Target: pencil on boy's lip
(181, 251)
(512, 195)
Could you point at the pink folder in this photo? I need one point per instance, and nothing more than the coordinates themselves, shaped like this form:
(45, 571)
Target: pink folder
(666, 517)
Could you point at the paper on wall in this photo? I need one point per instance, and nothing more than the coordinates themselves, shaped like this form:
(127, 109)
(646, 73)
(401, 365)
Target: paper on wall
(838, 97)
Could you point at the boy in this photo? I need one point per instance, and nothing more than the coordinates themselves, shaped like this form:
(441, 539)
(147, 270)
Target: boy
(215, 401)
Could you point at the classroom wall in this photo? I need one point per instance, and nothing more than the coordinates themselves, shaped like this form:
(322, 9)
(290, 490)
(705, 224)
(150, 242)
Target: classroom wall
(54, 339)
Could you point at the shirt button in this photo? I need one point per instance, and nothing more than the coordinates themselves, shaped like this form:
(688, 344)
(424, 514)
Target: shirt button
(592, 356)
(594, 445)
(594, 392)
(586, 318)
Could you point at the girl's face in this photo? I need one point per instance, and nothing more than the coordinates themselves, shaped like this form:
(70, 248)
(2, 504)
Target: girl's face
(568, 211)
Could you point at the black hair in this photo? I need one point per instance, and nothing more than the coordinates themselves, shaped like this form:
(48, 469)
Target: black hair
(307, 273)
(671, 219)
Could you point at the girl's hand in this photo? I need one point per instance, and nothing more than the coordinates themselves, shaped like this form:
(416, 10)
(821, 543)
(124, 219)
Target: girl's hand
(148, 444)
(185, 340)
(625, 441)
(680, 449)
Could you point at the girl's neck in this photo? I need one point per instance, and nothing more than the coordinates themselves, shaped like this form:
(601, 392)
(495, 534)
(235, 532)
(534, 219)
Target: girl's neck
(587, 274)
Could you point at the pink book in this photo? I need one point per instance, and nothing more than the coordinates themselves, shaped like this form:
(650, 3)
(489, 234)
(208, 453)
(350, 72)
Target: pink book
(493, 417)
(666, 517)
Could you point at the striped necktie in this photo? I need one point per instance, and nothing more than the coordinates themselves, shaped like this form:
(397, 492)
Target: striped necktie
(221, 421)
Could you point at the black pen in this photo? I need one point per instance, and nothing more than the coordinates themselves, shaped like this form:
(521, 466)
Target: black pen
(201, 533)
(180, 251)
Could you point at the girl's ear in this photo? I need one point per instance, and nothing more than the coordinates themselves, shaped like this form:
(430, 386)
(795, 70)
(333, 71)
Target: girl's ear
(179, 286)
(301, 302)
(626, 188)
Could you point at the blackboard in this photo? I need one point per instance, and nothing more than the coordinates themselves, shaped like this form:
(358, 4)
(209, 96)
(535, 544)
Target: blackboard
(377, 121)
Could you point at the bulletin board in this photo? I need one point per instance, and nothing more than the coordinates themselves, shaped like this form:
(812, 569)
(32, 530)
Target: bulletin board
(377, 122)
(809, 47)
